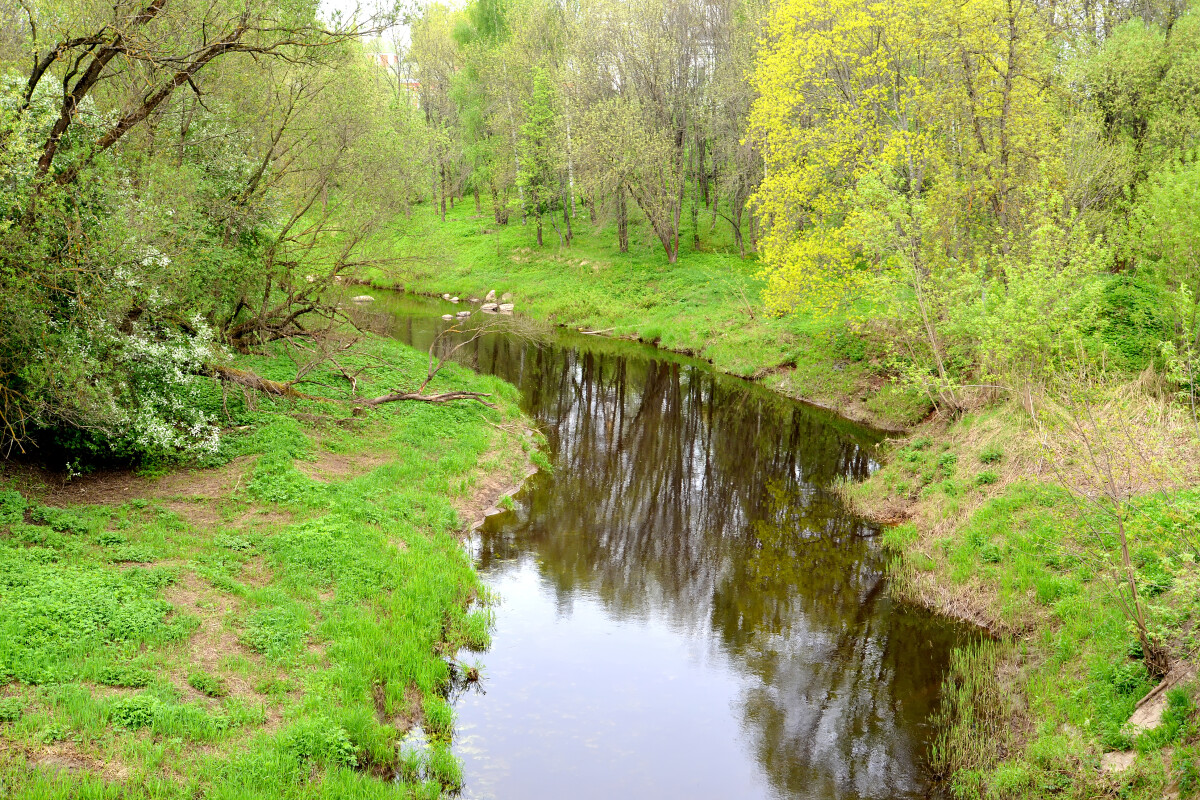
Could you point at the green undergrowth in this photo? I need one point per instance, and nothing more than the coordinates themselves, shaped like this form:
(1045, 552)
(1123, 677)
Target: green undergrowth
(264, 625)
(1031, 711)
(708, 304)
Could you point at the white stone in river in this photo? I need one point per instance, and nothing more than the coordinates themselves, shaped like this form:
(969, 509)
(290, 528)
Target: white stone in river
(506, 308)
(447, 316)
(453, 299)
(363, 298)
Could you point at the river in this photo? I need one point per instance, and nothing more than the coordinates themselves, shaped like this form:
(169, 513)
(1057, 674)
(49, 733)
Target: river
(685, 606)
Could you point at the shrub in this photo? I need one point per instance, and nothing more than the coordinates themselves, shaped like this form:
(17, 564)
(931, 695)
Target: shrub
(945, 464)
(12, 507)
(207, 684)
(277, 631)
(986, 478)
(11, 709)
(59, 519)
(231, 542)
(322, 740)
(124, 675)
(134, 712)
(1132, 321)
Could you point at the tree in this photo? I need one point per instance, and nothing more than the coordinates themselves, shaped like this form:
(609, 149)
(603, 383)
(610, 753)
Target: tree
(911, 155)
(173, 174)
(437, 62)
(538, 150)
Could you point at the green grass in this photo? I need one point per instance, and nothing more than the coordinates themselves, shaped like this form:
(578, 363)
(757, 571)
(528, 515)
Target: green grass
(262, 642)
(708, 304)
(1031, 712)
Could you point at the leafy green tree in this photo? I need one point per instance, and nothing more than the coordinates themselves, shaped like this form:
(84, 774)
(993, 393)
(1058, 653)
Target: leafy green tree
(172, 176)
(539, 150)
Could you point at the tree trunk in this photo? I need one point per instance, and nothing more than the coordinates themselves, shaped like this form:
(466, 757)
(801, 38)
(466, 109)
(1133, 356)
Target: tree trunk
(567, 220)
(539, 229)
(442, 187)
(736, 224)
(570, 191)
(499, 207)
(622, 221)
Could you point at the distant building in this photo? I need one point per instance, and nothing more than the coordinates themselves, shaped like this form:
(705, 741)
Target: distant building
(393, 64)
(386, 60)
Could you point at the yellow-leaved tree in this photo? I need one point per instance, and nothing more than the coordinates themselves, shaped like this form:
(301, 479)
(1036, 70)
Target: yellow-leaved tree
(911, 147)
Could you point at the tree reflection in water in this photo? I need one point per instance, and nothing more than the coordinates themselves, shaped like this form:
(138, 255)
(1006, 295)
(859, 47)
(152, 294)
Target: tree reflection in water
(684, 495)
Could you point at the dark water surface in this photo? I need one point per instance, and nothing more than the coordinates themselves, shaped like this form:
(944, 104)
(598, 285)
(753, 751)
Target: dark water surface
(685, 608)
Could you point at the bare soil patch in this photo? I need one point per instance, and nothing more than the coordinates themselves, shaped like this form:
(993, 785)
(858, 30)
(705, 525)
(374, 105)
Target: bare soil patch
(65, 756)
(329, 467)
(212, 641)
(118, 486)
(198, 514)
(489, 489)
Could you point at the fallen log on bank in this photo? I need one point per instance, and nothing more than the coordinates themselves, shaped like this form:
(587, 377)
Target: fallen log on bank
(249, 380)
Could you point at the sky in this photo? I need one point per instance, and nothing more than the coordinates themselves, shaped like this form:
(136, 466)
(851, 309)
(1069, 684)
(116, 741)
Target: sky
(364, 9)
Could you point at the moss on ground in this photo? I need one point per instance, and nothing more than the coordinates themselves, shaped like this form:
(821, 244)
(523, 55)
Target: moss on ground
(265, 625)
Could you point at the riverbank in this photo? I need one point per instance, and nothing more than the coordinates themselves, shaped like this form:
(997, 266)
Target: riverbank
(707, 305)
(984, 522)
(268, 623)
(1003, 518)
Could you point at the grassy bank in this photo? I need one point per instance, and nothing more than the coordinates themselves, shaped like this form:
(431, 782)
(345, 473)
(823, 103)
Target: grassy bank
(1003, 528)
(267, 624)
(707, 305)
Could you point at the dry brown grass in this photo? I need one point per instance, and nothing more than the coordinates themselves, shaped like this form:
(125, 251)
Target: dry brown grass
(69, 756)
(1070, 438)
(1149, 443)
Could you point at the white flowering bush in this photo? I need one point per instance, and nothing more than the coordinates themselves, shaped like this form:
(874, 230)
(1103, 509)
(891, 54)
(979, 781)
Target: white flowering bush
(165, 415)
(133, 395)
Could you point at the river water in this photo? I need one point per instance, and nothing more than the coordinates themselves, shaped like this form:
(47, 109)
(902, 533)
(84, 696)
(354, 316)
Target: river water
(686, 609)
